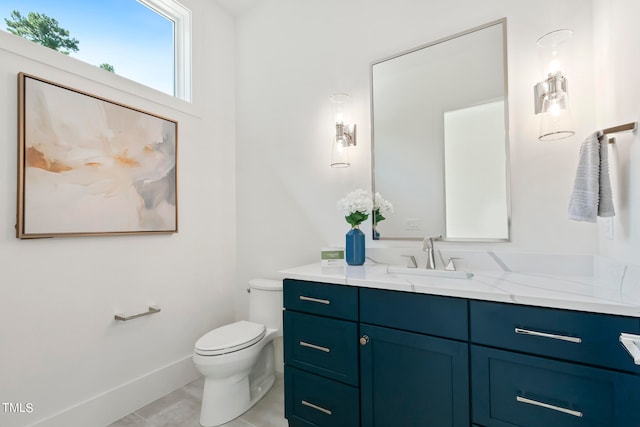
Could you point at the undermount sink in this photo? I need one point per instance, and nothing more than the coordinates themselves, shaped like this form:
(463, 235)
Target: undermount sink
(456, 274)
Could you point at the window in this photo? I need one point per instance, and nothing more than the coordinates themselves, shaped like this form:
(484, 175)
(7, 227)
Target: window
(181, 18)
(148, 41)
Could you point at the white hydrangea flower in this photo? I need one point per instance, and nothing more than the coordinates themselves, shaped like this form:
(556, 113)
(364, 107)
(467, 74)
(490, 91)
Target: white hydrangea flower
(357, 201)
(356, 206)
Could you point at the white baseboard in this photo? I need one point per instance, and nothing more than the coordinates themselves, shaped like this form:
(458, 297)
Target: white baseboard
(107, 407)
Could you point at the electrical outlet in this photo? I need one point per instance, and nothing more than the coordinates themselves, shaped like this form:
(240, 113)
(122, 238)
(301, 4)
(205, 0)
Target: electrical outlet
(413, 224)
(608, 228)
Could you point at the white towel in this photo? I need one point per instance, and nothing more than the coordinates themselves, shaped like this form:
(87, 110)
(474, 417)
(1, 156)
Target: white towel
(592, 188)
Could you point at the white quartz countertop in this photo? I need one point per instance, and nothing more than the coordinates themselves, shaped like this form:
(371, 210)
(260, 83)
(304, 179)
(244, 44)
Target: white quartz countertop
(582, 293)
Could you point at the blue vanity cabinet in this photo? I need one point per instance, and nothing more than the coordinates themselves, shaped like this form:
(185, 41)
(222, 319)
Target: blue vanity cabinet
(321, 370)
(357, 356)
(541, 367)
(409, 378)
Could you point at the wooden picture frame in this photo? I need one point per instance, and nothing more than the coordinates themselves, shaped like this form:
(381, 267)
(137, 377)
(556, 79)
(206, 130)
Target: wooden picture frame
(91, 166)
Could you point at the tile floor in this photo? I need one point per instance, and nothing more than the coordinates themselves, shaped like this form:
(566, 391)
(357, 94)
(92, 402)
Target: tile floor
(181, 408)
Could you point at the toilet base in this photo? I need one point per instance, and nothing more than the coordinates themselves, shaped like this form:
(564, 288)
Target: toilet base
(227, 400)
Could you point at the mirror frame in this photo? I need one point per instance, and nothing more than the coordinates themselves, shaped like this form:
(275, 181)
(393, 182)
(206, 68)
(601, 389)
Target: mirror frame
(503, 22)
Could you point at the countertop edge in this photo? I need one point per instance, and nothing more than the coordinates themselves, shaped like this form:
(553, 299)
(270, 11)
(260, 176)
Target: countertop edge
(502, 290)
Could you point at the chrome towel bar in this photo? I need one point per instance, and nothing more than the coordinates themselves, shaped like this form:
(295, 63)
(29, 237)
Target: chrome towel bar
(632, 126)
(152, 309)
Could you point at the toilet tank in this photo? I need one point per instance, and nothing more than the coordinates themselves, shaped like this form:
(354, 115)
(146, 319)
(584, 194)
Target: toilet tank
(265, 302)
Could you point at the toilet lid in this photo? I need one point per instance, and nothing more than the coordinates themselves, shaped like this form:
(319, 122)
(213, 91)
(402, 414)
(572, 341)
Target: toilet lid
(230, 338)
(266, 284)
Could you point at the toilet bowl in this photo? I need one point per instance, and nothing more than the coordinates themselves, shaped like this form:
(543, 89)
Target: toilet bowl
(237, 360)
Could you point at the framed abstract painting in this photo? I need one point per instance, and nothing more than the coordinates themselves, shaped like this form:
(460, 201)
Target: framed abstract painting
(90, 166)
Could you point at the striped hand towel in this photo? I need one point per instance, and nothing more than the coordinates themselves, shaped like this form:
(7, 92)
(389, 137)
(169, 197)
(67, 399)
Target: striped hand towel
(592, 194)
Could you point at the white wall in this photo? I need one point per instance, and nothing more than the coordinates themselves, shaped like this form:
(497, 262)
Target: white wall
(617, 85)
(60, 346)
(293, 55)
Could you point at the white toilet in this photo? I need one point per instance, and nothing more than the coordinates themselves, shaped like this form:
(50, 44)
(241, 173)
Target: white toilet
(237, 360)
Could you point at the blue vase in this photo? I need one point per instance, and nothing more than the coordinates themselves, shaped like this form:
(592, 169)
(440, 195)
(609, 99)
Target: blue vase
(354, 247)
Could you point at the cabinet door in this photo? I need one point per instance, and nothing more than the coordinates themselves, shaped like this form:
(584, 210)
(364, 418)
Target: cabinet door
(409, 379)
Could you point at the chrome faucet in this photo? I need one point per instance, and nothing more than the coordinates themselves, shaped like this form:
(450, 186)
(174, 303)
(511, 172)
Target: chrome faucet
(427, 246)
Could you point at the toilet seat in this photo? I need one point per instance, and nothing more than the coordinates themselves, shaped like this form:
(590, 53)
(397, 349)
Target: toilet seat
(230, 338)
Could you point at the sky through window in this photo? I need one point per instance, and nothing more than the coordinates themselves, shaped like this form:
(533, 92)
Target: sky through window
(135, 40)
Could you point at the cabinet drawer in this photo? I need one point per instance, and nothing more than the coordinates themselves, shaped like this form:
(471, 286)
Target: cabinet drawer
(512, 389)
(320, 298)
(325, 346)
(426, 314)
(577, 336)
(311, 400)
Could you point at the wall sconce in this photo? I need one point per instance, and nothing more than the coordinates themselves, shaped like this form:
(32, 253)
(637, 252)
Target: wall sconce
(551, 95)
(345, 132)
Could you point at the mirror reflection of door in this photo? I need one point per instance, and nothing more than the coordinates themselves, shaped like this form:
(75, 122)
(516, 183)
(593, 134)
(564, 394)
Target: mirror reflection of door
(475, 173)
(415, 95)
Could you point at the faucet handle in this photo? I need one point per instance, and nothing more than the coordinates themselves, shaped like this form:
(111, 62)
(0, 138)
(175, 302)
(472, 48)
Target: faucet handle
(414, 264)
(451, 266)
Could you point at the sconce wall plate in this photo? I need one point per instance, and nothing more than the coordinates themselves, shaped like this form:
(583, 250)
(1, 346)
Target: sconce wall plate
(554, 84)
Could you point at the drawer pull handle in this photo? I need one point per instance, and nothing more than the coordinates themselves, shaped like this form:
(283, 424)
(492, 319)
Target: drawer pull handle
(316, 407)
(546, 405)
(318, 300)
(630, 343)
(315, 347)
(576, 340)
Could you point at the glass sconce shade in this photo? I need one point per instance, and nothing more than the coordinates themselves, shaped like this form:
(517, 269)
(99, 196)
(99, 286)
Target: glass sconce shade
(556, 117)
(343, 133)
(340, 107)
(552, 50)
(551, 94)
(339, 154)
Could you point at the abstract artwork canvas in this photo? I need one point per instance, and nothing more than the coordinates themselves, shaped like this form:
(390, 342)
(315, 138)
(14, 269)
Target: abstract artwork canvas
(90, 166)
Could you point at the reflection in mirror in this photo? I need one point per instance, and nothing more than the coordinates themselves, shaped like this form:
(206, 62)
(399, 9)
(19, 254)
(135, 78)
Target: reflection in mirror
(440, 140)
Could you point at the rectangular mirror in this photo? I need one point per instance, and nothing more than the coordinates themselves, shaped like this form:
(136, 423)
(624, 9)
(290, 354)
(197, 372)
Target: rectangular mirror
(440, 138)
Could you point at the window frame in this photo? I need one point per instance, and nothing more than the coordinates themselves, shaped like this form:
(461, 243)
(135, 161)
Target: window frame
(181, 17)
